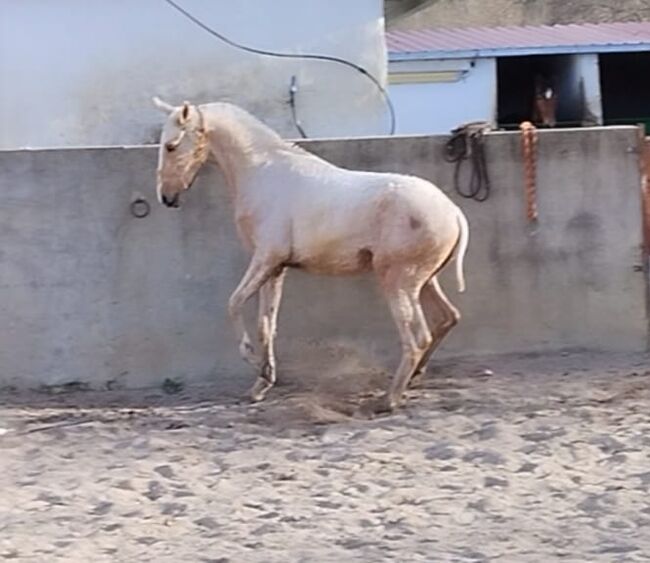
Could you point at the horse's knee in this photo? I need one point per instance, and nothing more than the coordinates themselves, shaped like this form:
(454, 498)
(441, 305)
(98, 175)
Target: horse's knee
(453, 318)
(422, 339)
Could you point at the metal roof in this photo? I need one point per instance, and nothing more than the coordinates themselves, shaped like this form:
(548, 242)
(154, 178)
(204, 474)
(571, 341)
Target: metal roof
(442, 43)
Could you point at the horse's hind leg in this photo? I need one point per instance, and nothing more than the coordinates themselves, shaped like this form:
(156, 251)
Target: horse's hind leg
(403, 294)
(441, 315)
(270, 296)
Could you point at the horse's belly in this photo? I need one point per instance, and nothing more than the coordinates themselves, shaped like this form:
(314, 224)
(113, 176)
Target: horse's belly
(336, 262)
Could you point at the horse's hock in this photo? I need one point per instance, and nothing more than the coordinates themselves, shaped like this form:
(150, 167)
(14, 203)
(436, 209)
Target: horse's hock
(95, 295)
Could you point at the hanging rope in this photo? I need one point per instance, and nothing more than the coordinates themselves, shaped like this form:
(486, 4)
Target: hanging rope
(467, 143)
(529, 147)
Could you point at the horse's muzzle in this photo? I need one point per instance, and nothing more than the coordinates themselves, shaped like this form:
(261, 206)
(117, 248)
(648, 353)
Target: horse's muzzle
(171, 201)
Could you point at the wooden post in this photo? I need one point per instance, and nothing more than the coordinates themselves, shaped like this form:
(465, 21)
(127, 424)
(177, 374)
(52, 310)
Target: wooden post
(645, 193)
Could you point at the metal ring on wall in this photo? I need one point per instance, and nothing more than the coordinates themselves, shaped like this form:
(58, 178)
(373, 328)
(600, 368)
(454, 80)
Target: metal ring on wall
(140, 208)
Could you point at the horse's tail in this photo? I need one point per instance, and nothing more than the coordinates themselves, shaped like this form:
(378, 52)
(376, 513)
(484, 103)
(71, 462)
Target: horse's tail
(461, 249)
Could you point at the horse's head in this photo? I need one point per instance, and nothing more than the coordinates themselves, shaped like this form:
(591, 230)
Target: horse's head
(183, 150)
(545, 102)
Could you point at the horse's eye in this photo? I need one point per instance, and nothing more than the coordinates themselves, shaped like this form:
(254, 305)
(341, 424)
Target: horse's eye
(170, 146)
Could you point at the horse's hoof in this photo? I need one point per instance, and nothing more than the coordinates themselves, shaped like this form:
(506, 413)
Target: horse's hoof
(259, 390)
(385, 405)
(416, 381)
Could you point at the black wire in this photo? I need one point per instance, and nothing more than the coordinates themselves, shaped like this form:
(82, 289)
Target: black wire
(265, 53)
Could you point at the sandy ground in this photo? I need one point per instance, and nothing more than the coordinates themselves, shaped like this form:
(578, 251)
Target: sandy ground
(497, 459)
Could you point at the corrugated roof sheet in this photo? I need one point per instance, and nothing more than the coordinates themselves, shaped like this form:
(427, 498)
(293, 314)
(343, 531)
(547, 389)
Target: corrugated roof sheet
(581, 37)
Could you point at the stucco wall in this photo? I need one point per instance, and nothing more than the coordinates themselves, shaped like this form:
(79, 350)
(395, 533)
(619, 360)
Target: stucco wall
(78, 73)
(91, 293)
(476, 13)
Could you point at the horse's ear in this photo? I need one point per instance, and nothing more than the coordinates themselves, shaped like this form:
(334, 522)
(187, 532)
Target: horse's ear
(185, 113)
(162, 106)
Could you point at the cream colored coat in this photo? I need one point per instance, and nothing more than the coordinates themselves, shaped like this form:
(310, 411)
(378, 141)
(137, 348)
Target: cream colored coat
(295, 210)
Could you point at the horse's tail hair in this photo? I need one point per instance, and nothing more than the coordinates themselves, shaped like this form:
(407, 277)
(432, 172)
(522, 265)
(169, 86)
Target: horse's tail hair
(461, 249)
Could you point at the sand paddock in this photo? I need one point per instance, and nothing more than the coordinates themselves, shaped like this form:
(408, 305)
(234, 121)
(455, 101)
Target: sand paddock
(519, 458)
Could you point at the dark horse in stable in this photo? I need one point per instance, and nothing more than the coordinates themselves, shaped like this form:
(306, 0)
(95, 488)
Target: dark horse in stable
(544, 103)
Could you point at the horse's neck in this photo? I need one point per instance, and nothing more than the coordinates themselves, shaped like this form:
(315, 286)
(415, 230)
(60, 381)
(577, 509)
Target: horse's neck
(240, 144)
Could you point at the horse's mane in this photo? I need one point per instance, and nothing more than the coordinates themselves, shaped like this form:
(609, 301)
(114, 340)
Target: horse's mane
(256, 135)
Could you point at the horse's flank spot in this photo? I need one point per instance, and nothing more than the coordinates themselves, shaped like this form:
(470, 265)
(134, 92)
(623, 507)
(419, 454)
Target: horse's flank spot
(365, 258)
(414, 223)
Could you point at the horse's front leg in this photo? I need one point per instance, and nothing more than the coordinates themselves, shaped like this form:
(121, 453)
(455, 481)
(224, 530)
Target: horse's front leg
(261, 269)
(270, 296)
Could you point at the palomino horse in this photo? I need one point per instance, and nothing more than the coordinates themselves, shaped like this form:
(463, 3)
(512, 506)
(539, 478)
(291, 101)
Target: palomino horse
(295, 210)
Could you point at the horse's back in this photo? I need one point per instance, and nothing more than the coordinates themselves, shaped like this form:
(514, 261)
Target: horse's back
(347, 221)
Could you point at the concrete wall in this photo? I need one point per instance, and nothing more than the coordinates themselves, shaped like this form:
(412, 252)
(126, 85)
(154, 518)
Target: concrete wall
(91, 293)
(442, 94)
(477, 13)
(79, 73)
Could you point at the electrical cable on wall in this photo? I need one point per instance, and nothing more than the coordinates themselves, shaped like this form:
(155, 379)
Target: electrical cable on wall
(263, 52)
(293, 90)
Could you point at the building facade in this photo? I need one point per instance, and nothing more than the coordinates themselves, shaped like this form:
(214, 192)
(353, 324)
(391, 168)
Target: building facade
(74, 72)
(441, 78)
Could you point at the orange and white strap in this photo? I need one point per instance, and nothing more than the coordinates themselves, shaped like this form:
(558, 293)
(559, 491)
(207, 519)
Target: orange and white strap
(529, 147)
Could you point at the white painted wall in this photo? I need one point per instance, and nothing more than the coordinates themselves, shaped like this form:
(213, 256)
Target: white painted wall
(79, 72)
(588, 71)
(436, 107)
